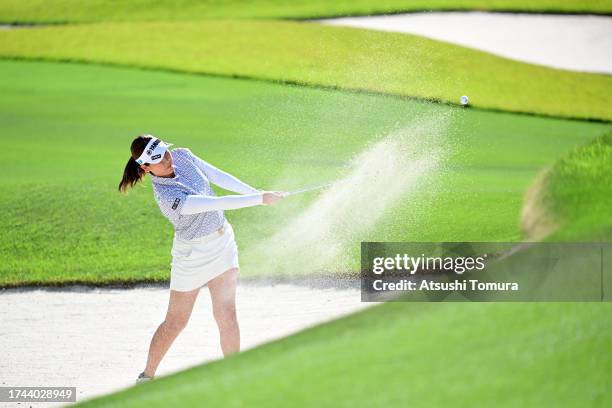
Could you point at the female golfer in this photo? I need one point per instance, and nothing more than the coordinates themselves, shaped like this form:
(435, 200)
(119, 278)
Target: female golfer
(204, 252)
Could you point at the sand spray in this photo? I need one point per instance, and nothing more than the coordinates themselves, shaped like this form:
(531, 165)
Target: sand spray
(317, 239)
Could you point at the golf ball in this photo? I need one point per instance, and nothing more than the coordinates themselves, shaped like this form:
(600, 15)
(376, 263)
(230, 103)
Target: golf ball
(464, 100)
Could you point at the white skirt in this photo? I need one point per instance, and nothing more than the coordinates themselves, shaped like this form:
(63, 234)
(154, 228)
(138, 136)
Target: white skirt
(197, 261)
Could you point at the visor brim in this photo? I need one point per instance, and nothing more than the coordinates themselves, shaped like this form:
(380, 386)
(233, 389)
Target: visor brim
(157, 155)
(159, 151)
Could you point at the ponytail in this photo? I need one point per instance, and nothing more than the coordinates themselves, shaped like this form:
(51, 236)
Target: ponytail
(133, 173)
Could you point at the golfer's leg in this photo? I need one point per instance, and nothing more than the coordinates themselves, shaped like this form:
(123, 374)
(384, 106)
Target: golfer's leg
(177, 316)
(223, 296)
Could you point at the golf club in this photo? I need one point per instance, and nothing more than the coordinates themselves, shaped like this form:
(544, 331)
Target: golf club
(311, 188)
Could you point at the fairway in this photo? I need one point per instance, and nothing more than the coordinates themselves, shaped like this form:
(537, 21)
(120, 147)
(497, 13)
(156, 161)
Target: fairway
(423, 355)
(316, 55)
(41, 11)
(65, 222)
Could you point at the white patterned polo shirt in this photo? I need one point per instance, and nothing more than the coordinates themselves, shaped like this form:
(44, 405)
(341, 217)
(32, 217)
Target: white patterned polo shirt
(171, 192)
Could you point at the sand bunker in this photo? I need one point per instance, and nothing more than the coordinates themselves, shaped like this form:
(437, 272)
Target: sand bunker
(97, 339)
(574, 42)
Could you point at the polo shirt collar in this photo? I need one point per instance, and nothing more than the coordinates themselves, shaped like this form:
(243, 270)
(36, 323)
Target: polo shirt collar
(166, 180)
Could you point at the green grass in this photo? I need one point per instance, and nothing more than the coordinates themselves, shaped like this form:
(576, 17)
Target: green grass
(41, 11)
(419, 355)
(67, 130)
(308, 53)
(576, 193)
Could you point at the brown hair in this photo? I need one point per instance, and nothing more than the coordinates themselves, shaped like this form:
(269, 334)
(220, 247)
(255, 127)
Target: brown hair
(133, 173)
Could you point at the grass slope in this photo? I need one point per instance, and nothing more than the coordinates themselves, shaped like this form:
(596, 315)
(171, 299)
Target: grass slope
(68, 128)
(576, 194)
(420, 355)
(308, 53)
(41, 11)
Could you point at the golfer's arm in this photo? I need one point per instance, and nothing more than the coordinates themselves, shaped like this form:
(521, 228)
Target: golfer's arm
(200, 203)
(223, 179)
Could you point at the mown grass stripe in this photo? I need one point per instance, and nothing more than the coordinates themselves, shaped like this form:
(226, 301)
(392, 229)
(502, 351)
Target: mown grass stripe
(308, 53)
(45, 11)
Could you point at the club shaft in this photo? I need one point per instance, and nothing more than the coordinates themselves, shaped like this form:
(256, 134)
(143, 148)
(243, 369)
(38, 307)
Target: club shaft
(312, 188)
(306, 189)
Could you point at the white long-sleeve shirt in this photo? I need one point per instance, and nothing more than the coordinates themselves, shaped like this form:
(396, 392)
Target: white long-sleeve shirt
(188, 200)
(200, 203)
(221, 178)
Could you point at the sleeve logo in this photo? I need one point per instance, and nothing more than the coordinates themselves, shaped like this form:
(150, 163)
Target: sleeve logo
(176, 203)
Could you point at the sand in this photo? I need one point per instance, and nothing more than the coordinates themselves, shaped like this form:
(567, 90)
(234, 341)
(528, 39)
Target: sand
(97, 339)
(389, 170)
(573, 42)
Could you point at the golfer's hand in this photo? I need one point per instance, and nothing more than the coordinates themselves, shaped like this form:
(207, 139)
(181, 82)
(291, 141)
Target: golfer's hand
(272, 197)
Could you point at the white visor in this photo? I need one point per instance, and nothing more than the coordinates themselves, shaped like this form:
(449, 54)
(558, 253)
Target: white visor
(154, 152)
